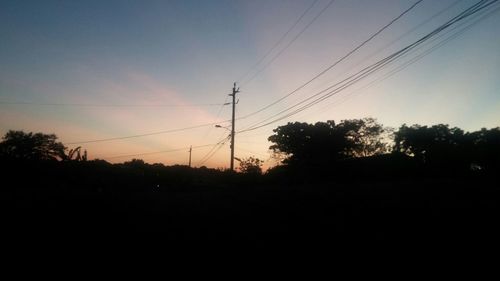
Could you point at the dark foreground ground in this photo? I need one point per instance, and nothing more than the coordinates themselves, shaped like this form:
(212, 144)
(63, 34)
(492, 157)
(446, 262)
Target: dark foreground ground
(418, 211)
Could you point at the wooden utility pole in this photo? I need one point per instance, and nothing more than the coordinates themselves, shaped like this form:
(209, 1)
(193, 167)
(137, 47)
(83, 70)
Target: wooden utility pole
(190, 150)
(235, 90)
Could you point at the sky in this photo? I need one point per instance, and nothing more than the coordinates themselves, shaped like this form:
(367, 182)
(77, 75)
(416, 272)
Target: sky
(94, 70)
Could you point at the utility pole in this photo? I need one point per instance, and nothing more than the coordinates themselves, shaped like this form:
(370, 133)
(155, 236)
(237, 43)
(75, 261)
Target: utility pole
(235, 90)
(190, 150)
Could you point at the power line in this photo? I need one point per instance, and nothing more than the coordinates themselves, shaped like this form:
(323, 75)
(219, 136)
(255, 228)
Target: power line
(289, 44)
(222, 106)
(221, 141)
(157, 152)
(217, 116)
(338, 61)
(279, 41)
(107, 105)
(414, 59)
(150, 134)
(216, 147)
(155, 133)
(357, 76)
(213, 151)
(413, 29)
(370, 69)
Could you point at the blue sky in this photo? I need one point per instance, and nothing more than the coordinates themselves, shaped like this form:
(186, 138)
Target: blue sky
(187, 53)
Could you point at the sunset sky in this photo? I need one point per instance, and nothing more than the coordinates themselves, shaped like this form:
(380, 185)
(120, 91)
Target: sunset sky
(94, 70)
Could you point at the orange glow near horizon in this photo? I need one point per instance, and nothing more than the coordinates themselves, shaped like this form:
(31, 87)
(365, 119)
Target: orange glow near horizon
(171, 65)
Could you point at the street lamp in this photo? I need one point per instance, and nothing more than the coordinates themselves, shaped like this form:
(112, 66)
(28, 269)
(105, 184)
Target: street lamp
(219, 126)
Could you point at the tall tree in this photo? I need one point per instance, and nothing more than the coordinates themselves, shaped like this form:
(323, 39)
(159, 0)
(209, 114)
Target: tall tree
(303, 143)
(326, 142)
(435, 145)
(368, 136)
(29, 146)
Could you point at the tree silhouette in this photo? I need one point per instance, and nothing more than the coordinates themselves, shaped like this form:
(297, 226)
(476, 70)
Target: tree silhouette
(306, 144)
(251, 165)
(368, 136)
(438, 145)
(136, 163)
(326, 142)
(483, 148)
(29, 146)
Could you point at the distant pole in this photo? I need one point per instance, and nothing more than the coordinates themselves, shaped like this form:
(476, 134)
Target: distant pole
(190, 150)
(235, 90)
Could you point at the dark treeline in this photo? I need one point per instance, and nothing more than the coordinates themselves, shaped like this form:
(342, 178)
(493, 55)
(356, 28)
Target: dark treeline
(354, 180)
(365, 149)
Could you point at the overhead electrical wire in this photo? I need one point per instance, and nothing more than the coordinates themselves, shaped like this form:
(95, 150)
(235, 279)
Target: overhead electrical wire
(337, 61)
(150, 134)
(288, 45)
(216, 147)
(217, 116)
(214, 123)
(440, 44)
(209, 156)
(279, 41)
(158, 152)
(180, 129)
(370, 69)
(365, 72)
(155, 133)
(221, 141)
(313, 99)
(348, 81)
(107, 105)
(399, 38)
(413, 60)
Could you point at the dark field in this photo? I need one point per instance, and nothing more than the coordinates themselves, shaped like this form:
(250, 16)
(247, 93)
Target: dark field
(433, 210)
